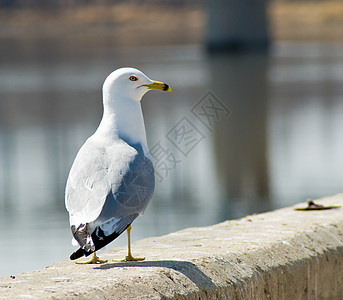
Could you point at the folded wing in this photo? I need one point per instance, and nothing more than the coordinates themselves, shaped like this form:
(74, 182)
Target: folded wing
(107, 188)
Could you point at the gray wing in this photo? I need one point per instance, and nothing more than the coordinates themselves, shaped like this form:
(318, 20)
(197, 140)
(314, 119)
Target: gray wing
(133, 194)
(108, 183)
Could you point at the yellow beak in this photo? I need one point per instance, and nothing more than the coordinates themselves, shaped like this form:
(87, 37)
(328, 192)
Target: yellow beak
(157, 85)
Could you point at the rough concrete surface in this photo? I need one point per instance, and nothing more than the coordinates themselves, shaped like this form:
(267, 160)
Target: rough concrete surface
(284, 254)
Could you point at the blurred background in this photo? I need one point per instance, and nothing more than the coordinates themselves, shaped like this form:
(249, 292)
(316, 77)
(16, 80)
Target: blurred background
(257, 95)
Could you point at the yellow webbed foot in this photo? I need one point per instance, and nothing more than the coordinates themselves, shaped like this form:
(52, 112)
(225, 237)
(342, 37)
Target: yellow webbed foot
(94, 260)
(130, 258)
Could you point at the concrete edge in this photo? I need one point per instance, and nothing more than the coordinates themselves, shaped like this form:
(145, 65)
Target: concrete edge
(284, 254)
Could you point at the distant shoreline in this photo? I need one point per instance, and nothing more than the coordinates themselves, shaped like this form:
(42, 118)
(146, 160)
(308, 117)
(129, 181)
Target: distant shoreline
(154, 24)
(165, 24)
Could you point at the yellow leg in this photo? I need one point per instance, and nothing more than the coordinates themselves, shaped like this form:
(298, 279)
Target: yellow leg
(94, 260)
(129, 256)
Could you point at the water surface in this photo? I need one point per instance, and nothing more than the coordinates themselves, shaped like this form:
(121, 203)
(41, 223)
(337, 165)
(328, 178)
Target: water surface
(239, 134)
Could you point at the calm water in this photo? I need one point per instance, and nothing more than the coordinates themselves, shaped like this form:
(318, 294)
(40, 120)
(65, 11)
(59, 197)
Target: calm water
(239, 134)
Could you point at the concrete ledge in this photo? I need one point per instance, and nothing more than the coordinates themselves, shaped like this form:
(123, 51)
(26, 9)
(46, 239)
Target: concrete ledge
(285, 254)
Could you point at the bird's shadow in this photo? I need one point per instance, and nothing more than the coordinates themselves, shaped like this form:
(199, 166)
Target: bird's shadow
(187, 268)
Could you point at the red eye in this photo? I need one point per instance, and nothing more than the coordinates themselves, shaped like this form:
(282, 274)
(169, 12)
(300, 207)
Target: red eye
(133, 78)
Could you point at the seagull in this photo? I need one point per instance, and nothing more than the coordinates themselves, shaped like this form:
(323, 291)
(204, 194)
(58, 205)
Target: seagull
(111, 181)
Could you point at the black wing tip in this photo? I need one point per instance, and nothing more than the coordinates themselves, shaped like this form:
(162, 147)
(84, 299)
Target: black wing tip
(79, 253)
(100, 240)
